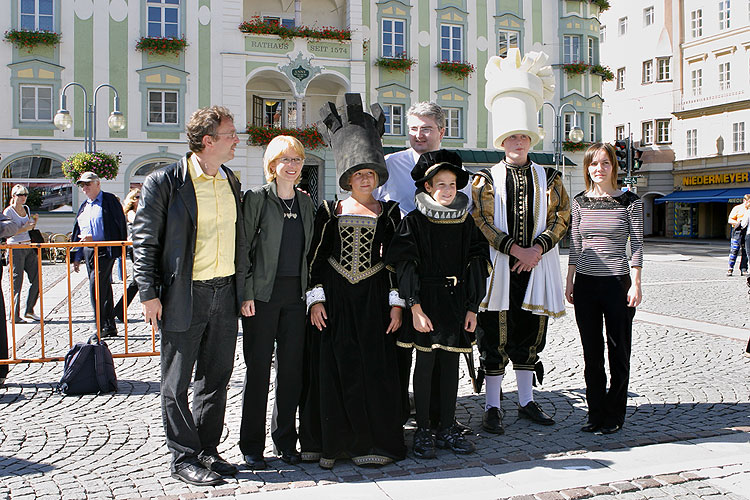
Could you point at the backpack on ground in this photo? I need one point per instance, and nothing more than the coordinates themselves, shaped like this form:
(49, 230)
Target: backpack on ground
(88, 369)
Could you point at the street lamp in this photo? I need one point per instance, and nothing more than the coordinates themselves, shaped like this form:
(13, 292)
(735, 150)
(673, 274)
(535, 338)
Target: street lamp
(575, 135)
(63, 120)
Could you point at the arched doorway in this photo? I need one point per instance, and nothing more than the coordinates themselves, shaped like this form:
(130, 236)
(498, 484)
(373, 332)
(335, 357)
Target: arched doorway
(49, 190)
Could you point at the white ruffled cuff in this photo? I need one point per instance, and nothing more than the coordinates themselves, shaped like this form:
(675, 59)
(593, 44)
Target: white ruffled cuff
(314, 296)
(395, 300)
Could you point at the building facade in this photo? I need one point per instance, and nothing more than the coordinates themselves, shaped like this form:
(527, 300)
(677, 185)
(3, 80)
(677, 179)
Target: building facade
(269, 81)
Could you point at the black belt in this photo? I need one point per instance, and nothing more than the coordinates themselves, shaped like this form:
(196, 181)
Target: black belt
(215, 282)
(447, 281)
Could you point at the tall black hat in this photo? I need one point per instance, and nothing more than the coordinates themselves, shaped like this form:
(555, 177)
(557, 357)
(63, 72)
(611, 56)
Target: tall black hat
(432, 162)
(354, 136)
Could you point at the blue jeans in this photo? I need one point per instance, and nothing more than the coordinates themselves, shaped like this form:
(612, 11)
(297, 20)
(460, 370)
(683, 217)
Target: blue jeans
(738, 246)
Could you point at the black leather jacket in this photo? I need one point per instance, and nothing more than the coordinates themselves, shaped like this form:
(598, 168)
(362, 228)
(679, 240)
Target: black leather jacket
(164, 233)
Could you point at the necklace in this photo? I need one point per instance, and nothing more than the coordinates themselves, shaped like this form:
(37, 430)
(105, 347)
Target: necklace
(289, 214)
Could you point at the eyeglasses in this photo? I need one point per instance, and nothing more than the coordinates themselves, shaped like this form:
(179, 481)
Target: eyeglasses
(22, 194)
(295, 161)
(233, 135)
(136, 197)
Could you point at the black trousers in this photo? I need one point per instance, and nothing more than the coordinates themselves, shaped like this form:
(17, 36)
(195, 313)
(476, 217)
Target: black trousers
(3, 331)
(208, 345)
(129, 293)
(106, 303)
(604, 298)
(279, 322)
(436, 368)
(514, 334)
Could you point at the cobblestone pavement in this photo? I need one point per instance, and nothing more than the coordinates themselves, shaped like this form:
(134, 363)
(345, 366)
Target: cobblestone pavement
(684, 385)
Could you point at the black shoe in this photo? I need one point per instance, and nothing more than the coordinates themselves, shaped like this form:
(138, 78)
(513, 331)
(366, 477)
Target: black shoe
(610, 429)
(109, 332)
(197, 475)
(291, 457)
(533, 412)
(217, 464)
(424, 443)
(256, 462)
(590, 427)
(453, 439)
(492, 421)
(465, 429)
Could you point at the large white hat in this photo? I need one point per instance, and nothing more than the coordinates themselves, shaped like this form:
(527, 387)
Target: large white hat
(515, 92)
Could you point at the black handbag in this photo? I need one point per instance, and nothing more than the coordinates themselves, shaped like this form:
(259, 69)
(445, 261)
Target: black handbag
(36, 236)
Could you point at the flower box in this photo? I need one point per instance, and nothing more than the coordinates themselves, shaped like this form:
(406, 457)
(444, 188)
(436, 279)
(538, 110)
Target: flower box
(602, 4)
(400, 63)
(257, 26)
(603, 71)
(261, 136)
(104, 165)
(575, 146)
(460, 70)
(576, 68)
(161, 46)
(24, 39)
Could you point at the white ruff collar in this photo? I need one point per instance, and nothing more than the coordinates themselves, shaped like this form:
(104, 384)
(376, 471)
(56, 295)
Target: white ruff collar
(453, 213)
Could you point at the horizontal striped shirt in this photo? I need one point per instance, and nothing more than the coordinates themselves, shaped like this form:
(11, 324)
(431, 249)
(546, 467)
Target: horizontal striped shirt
(599, 233)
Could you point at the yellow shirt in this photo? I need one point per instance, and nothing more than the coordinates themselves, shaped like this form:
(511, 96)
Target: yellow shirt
(217, 215)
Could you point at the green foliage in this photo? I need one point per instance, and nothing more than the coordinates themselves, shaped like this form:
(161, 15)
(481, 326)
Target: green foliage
(102, 164)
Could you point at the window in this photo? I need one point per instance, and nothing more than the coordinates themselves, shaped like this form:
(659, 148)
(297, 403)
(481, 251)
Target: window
(692, 143)
(622, 26)
(696, 80)
(648, 71)
(602, 34)
(42, 176)
(393, 37)
(591, 51)
(506, 40)
(724, 15)
(738, 137)
(451, 43)
(662, 131)
(648, 16)
(620, 132)
(592, 128)
(696, 23)
(570, 121)
(36, 103)
(162, 107)
(647, 132)
(291, 113)
(37, 15)
(163, 18)
(663, 66)
(394, 119)
(620, 84)
(285, 21)
(452, 122)
(724, 76)
(571, 49)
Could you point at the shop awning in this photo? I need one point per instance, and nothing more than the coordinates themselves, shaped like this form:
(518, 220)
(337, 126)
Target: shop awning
(491, 156)
(705, 196)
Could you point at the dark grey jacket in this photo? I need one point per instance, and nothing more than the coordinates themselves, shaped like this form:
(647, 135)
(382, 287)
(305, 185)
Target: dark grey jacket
(164, 234)
(265, 226)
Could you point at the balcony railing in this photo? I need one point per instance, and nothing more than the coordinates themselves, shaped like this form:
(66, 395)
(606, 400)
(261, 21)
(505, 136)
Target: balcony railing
(698, 102)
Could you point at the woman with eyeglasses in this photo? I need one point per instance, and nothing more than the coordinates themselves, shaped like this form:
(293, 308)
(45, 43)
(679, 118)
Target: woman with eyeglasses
(24, 259)
(129, 206)
(278, 226)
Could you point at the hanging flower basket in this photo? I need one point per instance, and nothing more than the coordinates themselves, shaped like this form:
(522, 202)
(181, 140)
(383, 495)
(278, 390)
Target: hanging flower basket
(104, 165)
(602, 4)
(257, 26)
(576, 68)
(24, 39)
(400, 63)
(261, 136)
(575, 146)
(161, 46)
(603, 71)
(460, 70)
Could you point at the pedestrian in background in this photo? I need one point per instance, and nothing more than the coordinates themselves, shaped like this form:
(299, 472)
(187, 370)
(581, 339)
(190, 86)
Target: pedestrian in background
(279, 225)
(737, 244)
(8, 227)
(129, 208)
(599, 283)
(24, 259)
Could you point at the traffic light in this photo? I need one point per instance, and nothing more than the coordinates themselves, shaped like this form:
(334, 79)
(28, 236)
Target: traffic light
(636, 155)
(621, 149)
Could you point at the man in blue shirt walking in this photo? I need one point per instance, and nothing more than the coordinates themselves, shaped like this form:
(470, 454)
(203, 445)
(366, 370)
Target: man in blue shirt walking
(100, 218)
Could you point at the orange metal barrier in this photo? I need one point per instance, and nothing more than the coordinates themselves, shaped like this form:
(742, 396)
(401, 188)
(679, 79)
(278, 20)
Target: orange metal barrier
(13, 359)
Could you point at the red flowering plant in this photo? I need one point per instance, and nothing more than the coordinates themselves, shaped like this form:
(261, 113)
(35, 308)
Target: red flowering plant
(575, 146)
(261, 136)
(603, 71)
(575, 68)
(161, 46)
(399, 63)
(602, 4)
(25, 39)
(459, 69)
(102, 164)
(258, 26)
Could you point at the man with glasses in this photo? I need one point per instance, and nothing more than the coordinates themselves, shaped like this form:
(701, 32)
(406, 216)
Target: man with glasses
(100, 218)
(189, 244)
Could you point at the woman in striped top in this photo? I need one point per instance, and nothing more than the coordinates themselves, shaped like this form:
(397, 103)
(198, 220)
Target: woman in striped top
(603, 218)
